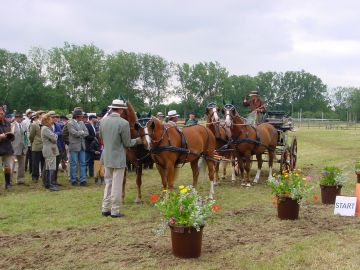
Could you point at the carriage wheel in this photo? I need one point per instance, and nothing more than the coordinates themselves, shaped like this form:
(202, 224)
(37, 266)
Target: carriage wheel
(293, 150)
(285, 161)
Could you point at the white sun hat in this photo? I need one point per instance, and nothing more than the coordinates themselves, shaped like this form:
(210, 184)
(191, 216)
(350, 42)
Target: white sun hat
(172, 113)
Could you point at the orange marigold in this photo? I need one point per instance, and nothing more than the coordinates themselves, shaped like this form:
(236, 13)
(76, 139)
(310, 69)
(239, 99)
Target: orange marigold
(316, 197)
(216, 207)
(154, 197)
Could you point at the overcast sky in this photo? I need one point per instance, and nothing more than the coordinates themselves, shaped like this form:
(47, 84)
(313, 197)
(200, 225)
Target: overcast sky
(320, 36)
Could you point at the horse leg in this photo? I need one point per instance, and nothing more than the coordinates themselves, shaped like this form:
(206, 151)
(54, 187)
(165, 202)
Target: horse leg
(259, 161)
(224, 165)
(170, 173)
(271, 160)
(210, 165)
(123, 187)
(138, 183)
(162, 172)
(217, 167)
(247, 169)
(233, 165)
(195, 171)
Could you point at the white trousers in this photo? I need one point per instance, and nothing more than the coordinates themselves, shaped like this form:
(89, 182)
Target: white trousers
(113, 190)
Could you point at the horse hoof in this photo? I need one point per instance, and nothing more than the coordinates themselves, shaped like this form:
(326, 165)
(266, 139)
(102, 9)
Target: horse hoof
(243, 184)
(248, 185)
(223, 177)
(138, 201)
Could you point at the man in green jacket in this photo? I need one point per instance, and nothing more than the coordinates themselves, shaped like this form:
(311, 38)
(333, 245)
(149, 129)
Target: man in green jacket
(115, 133)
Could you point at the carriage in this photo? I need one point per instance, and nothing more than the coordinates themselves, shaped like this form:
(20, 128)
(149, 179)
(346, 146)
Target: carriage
(286, 155)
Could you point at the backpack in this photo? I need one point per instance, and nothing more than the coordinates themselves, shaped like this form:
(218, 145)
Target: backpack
(65, 134)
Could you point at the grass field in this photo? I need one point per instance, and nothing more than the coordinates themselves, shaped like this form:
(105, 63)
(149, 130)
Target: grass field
(64, 230)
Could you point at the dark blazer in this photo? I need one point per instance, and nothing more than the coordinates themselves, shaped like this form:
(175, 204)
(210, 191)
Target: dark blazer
(5, 144)
(95, 147)
(89, 138)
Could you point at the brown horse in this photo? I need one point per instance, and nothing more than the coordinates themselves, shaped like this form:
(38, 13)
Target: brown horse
(136, 155)
(249, 141)
(221, 135)
(171, 147)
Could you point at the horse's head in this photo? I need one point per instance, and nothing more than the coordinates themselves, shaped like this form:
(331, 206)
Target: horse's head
(212, 112)
(140, 126)
(152, 129)
(229, 111)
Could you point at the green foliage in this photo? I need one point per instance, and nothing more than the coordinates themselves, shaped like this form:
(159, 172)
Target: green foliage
(332, 176)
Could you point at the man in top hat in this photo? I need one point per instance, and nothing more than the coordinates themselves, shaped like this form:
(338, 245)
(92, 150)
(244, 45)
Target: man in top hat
(36, 145)
(20, 146)
(115, 134)
(191, 121)
(77, 134)
(26, 124)
(173, 117)
(160, 116)
(256, 105)
(6, 149)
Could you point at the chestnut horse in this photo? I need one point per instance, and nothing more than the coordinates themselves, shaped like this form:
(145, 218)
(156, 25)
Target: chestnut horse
(136, 155)
(249, 140)
(171, 147)
(221, 136)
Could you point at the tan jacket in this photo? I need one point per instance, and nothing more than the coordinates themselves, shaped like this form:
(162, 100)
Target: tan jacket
(35, 136)
(49, 139)
(115, 133)
(20, 139)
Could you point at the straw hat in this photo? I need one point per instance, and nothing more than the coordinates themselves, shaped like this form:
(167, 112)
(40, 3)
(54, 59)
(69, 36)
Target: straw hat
(118, 104)
(172, 114)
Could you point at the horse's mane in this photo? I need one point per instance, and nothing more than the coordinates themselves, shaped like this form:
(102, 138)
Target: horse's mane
(131, 115)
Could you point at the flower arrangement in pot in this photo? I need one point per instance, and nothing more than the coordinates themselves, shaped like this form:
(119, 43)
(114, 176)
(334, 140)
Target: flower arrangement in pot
(289, 189)
(331, 182)
(186, 213)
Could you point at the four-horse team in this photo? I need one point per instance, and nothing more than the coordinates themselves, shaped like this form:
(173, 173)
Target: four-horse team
(140, 138)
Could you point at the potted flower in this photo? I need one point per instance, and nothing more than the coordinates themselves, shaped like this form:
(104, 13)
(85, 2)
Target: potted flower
(289, 189)
(331, 182)
(186, 213)
(357, 170)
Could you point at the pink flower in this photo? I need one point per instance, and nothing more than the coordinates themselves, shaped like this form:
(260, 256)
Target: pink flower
(171, 221)
(308, 178)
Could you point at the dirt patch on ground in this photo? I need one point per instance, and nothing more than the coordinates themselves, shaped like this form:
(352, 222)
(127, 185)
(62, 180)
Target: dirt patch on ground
(135, 244)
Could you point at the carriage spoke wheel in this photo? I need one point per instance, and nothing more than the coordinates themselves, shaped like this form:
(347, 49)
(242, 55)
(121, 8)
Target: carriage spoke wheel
(293, 150)
(285, 161)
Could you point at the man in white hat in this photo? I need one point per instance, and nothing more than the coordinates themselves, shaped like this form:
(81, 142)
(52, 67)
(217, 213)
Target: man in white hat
(173, 117)
(115, 133)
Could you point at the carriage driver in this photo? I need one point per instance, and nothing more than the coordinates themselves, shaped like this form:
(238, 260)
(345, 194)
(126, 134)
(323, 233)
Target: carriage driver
(257, 106)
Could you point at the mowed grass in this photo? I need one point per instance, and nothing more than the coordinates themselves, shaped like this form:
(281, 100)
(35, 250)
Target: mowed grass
(64, 230)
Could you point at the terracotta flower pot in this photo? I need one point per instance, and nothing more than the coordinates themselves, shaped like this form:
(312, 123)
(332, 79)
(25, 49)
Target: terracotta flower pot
(358, 177)
(329, 193)
(186, 241)
(288, 208)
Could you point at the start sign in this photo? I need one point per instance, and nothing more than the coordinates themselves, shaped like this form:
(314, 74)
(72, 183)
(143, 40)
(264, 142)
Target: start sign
(345, 206)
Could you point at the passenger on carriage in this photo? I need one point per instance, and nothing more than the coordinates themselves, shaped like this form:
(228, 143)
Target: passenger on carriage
(160, 116)
(173, 117)
(257, 106)
(191, 121)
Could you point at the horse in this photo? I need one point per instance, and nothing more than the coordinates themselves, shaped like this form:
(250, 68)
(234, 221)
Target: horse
(221, 136)
(249, 140)
(136, 155)
(171, 147)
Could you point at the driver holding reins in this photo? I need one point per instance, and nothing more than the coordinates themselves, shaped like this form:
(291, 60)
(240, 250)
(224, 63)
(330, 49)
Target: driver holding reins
(257, 106)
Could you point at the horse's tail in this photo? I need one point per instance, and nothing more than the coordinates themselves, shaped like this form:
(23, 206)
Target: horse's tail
(202, 169)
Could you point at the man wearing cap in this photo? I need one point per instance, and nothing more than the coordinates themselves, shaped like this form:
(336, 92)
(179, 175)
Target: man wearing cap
(26, 124)
(77, 134)
(20, 146)
(173, 117)
(6, 150)
(256, 106)
(115, 133)
(160, 116)
(191, 121)
(36, 145)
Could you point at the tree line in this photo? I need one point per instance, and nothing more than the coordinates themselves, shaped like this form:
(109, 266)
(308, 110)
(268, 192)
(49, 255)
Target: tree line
(62, 78)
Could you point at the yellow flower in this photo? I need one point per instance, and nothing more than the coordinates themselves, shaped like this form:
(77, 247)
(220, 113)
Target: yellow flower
(184, 190)
(164, 190)
(296, 174)
(274, 174)
(181, 187)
